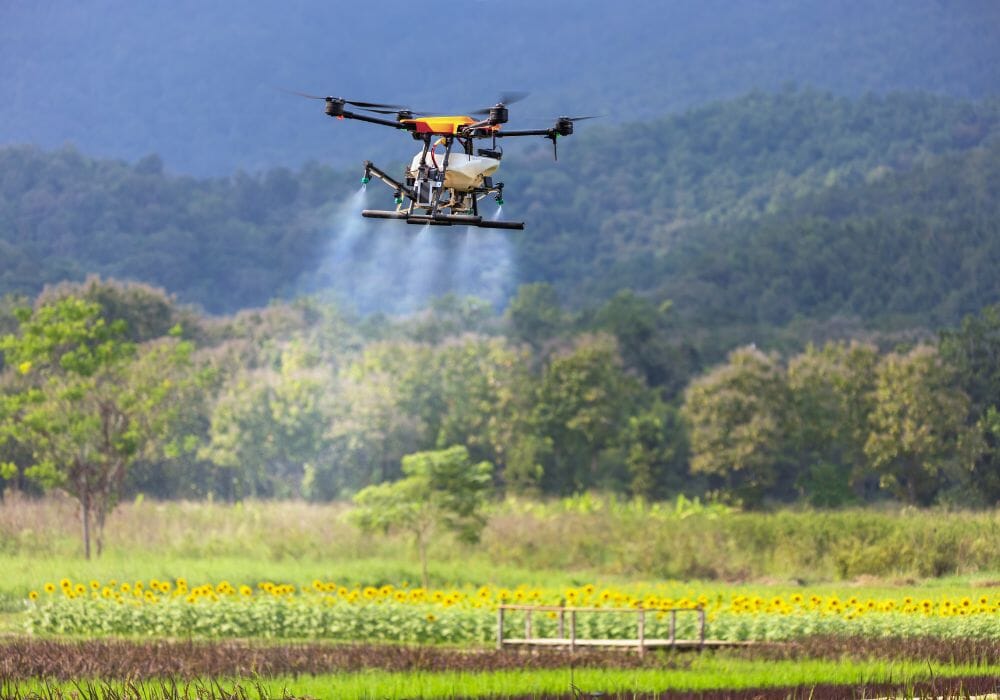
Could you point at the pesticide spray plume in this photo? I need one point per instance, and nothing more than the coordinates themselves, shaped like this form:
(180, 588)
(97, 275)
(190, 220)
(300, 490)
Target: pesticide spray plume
(393, 267)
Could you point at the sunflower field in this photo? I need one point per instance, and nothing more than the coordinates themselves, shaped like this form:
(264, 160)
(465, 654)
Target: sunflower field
(330, 610)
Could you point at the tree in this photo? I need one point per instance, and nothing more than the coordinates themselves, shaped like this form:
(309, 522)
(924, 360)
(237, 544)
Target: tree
(270, 428)
(916, 423)
(88, 403)
(655, 451)
(441, 489)
(973, 351)
(736, 422)
(583, 400)
(534, 314)
(831, 397)
(387, 405)
(485, 395)
(642, 330)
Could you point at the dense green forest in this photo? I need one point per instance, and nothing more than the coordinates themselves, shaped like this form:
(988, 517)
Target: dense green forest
(112, 389)
(777, 298)
(747, 215)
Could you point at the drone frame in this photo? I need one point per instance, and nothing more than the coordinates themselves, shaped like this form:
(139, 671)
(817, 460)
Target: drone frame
(425, 188)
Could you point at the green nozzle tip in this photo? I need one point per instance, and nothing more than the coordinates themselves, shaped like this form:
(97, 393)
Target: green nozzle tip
(365, 180)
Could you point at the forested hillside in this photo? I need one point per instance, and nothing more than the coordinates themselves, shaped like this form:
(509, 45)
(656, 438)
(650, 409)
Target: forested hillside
(746, 215)
(197, 83)
(223, 243)
(908, 249)
(618, 193)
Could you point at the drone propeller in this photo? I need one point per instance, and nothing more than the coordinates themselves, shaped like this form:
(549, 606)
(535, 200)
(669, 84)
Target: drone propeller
(504, 99)
(563, 127)
(370, 106)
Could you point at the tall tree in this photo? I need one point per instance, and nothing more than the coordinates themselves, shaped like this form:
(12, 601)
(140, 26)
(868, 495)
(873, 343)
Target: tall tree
(88, 403)
(583, 401)
(642, 331)
(831, 396)
(736, 421)
(973, 351)
(534, 315)
(655, 451)
(269, 427)
(916, 423)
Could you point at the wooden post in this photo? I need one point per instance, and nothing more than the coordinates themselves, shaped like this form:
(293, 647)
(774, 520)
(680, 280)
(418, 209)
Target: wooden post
(572, 630)
(701, 625)
(562, 623)
(527, 624)
(642, 632)
(499, 627)
(673, 626)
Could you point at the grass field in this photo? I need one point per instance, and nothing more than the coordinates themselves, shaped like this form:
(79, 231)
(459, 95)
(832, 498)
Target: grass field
(679, 550)
(703, 674)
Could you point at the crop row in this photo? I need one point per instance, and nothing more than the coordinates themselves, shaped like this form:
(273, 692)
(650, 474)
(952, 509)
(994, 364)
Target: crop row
(212, 689)
(121, 659)
(326, 610)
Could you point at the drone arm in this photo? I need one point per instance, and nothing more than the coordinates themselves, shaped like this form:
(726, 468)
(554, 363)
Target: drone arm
(370, 170)
(528, 132)
(550, 134)
(376, 120)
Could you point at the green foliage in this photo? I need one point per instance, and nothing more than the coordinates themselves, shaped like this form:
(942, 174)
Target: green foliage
(581, 406)
(768, 206)
(747, 212)
(86, 403)
(915, 247)
(557, 543)
(831, 393)
(269, 427)
(736, 417)
(534, 315)
(973, 353)
(439, 489)
(225, 244)
(916, 423)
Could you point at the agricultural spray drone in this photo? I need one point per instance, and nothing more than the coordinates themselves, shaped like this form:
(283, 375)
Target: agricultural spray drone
(443, 187)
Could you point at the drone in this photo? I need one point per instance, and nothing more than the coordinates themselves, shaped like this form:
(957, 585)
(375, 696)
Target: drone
(446, 179)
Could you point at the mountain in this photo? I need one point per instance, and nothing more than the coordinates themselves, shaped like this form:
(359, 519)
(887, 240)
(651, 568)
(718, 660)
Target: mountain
(746, 213)
(197, 82)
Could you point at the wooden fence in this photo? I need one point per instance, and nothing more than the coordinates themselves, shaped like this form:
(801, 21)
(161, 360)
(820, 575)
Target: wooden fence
(572, 641)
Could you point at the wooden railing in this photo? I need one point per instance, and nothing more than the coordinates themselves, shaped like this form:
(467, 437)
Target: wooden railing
(572, 641)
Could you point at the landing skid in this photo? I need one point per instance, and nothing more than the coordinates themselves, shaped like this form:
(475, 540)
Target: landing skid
(442, 219)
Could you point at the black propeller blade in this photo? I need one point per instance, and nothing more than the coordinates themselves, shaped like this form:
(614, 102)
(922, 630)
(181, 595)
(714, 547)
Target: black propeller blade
(371, 106)
(505, 99)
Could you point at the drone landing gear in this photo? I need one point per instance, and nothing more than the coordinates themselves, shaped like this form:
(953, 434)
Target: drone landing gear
(442, 219)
